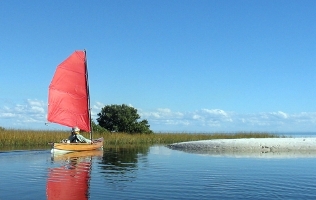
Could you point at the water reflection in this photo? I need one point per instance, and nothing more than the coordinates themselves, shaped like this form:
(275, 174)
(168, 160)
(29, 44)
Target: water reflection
(71, 180)
(120, 163)
(255, 154)
(154, 173)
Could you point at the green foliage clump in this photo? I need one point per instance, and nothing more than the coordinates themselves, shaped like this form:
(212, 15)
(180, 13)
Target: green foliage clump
(97, 128)
(122, 118)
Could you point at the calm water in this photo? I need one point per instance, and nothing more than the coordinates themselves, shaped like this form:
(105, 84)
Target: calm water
(154, 173)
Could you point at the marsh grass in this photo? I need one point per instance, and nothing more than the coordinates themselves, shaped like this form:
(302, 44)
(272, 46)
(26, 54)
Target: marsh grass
(34, 138)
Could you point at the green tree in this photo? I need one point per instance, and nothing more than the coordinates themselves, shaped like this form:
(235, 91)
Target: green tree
(97, 128)
(122, 118)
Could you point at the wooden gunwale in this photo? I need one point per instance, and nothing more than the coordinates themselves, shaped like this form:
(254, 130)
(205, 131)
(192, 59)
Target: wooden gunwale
(78, 146)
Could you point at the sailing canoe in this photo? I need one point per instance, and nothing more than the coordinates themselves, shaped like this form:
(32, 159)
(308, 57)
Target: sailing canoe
(79, 146)
(69, 100)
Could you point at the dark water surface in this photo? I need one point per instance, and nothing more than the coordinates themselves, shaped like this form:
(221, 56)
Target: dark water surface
(154, 172)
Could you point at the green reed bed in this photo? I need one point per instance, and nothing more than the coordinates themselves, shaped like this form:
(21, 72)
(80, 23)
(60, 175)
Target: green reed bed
(11, 137)
(168, 138)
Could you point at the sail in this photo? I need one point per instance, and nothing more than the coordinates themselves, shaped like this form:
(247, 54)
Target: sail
(68, 98)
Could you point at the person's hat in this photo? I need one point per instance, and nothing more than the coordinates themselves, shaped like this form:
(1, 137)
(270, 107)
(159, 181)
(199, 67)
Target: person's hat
(75, 129)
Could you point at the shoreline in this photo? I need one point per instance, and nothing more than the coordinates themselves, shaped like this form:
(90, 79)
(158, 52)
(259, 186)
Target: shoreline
(252, 147)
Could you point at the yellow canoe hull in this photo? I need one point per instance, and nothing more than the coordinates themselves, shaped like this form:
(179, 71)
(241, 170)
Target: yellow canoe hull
(79, 146)
(69, 155)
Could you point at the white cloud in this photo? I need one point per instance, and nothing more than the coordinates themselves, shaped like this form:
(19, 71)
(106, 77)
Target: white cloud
(36, 106)
(23, 114)
(32, 113)
(98, 106)
(197, 117)
(203, 117)
(215, 112)
(7, 115)
(161, 113)
(282, 114)
(220, 120)
(164, 110)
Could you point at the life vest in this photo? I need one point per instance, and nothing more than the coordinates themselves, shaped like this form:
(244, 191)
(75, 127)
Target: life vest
(75, 139)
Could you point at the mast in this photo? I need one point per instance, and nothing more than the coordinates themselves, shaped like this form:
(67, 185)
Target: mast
(88, 93)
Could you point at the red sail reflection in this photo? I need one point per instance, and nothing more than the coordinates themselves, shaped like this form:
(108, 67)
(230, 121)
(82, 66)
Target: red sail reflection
(71, 181)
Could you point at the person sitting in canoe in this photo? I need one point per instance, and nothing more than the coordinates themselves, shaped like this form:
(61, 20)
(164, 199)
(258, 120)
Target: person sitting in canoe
(75, 136)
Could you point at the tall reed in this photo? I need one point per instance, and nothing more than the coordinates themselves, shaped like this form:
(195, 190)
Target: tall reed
(13, 137)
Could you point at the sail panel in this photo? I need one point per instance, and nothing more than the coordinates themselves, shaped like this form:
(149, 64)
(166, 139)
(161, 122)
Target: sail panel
(68, 93)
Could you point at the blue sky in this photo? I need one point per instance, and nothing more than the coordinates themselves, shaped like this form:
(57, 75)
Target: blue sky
(185, 65)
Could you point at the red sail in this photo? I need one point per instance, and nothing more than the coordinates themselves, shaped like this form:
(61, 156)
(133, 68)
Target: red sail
(68, 102)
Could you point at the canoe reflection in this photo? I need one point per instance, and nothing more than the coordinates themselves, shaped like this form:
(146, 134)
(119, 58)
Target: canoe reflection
(71, 180)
